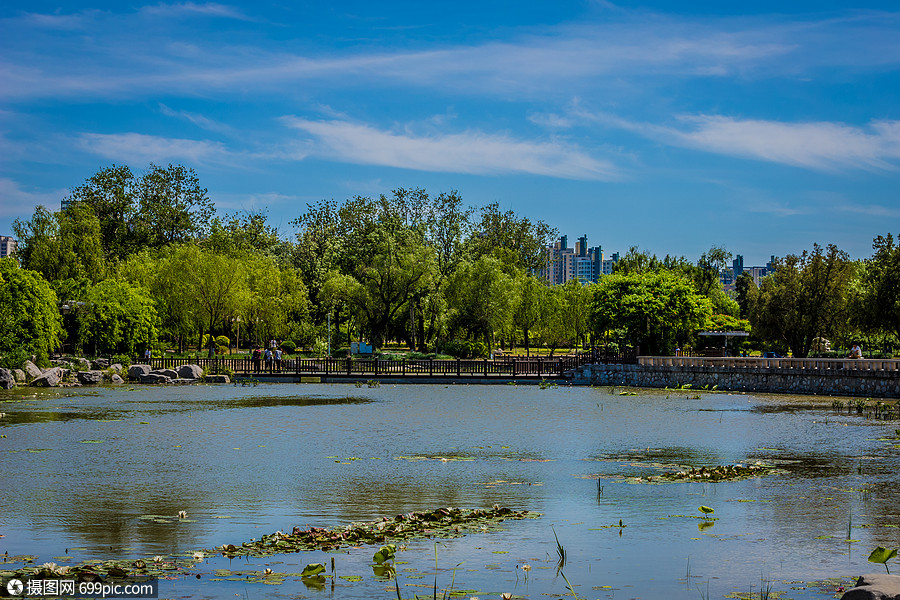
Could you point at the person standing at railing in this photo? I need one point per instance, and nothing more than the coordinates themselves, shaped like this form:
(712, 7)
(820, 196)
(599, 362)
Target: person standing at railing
(855, 351)
(255, 359)
(278, 359)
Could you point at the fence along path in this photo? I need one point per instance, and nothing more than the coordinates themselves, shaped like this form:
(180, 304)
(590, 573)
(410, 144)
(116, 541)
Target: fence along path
(375, 367)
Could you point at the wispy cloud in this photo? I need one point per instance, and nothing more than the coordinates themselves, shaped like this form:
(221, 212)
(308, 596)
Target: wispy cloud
(199, 120)
(596, 56)
(15, 197)
(209, 9)
(815, 145)
(469, 152)
(139, 148)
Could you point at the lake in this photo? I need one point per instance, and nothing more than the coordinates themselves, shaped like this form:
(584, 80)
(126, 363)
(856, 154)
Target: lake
(101, 474)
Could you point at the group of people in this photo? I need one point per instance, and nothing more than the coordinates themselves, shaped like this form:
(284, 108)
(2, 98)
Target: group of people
(271, 355)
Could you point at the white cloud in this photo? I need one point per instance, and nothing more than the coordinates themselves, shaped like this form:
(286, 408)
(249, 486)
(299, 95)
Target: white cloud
(469, 152)
(814, 145)
(138, 148)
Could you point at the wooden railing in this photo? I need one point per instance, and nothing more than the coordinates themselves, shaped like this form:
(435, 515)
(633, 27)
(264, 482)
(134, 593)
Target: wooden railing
(375, 367)
(866, 364)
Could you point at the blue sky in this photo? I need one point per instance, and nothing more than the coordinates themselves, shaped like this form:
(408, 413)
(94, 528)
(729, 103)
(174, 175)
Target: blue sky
(672, 126)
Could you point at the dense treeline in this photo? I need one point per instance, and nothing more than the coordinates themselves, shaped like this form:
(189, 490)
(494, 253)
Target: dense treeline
(145, 261)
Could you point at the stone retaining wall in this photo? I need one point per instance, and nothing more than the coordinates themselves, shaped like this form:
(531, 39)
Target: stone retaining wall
(825, 382)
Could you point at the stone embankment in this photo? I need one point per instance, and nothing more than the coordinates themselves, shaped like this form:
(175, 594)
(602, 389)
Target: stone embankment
(834, 382)
(79, 371)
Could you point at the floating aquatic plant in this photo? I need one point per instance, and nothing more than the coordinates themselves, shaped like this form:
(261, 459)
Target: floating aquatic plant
(882, 555)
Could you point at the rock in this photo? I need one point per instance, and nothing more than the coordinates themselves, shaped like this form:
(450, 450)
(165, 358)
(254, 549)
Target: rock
(138, 371)
(49, 378)
(100, 364)
(90, 377)
(116, 379)
(31, 370)
(182, 381)
(117, 368)
(170, 373)
(875, 586)
(20, 375)
(7, 379)
(155, 378)
(190, 372)
(217, 379)
(82, 363)
(61, 362)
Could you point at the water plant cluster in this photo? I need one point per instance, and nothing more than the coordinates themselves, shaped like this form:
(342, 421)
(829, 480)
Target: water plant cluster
(446, 522)
(865, 407)
(719, 473)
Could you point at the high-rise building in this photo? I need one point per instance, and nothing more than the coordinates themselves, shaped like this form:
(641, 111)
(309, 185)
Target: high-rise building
(737, 267)
(7, 246)
(582, 262)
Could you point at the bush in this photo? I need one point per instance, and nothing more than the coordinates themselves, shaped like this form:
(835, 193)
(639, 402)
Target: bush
(223, 340)
(122, 359)
(463, 348)
(288, 346)
(14, 359)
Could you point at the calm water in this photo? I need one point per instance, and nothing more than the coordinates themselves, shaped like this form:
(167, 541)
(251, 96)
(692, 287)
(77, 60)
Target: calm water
(79, 469)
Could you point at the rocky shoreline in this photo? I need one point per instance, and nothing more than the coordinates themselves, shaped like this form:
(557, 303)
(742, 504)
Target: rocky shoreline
(77, 371)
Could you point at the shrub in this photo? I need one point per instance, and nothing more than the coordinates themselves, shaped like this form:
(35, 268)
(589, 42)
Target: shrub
(463, 348)
(223, 340)
(288, 346)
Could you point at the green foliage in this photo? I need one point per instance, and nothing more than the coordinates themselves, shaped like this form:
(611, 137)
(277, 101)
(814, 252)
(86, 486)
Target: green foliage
(882, 555)
(805, 298)
(288, 346)
(655, 310)
(117, 317)
(222, 340)
(385, 553)
(313, 569)
(30, 321)
(460, 348)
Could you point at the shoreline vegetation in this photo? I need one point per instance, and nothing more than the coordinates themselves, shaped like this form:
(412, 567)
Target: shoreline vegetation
(143, 261)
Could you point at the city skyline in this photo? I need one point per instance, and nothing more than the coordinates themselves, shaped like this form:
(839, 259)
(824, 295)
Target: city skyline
(637, 124)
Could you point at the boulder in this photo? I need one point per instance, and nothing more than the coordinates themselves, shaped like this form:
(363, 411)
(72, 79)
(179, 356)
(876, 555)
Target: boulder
(117, 368)
(155, 378)
(31, 370)
(19, 375)
(90, 377)
(217, 379)
(170, 373)
(100, 364)
(181, 381)
(82, 363)
(116, 379)
(7, 379)
(61, 362)
(49, 378)
(875, 586)
(138, 371)
(190, 372)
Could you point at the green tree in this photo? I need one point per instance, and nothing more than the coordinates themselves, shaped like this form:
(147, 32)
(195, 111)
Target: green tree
(481, 299)
(527, 241)
(532, 306)
(877, 302)
(805, 298)
(63, 245)
(29, 312)
(745, 294)
(172, 206)
(656, 311)
(117, 317)
(111, 193)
